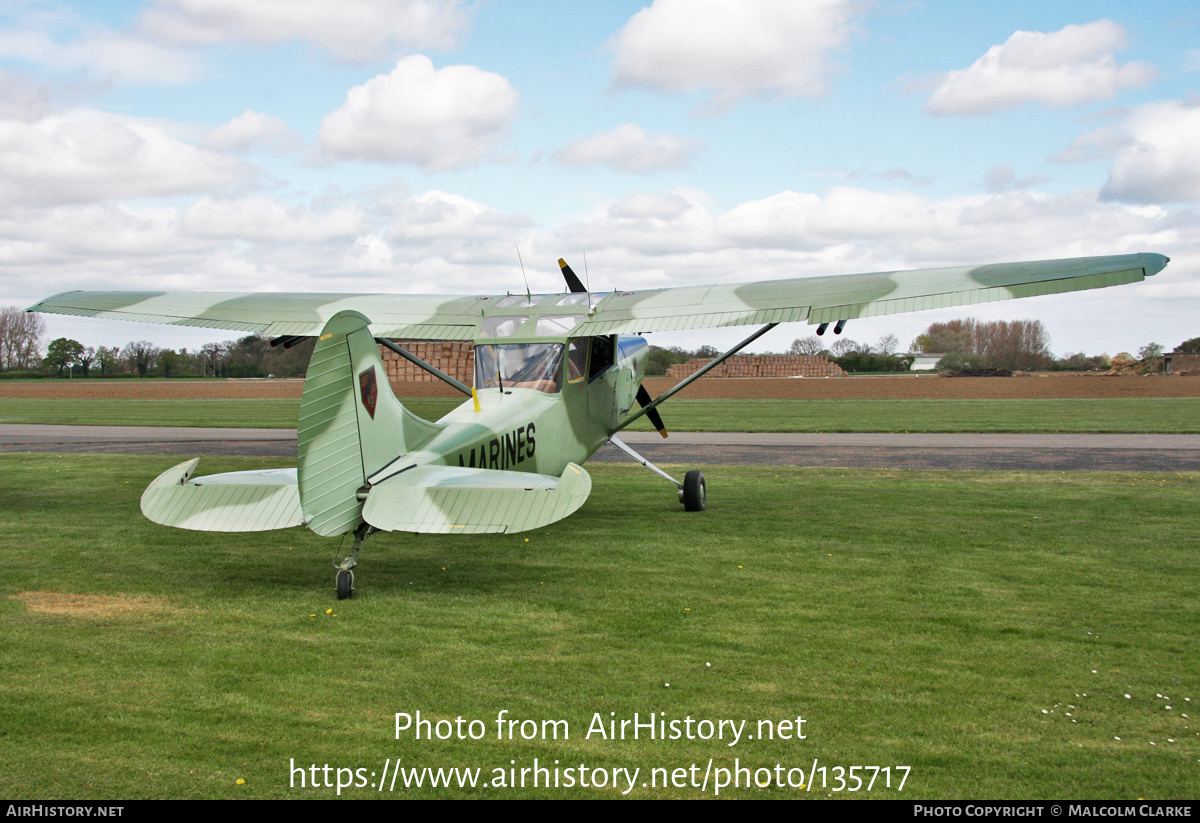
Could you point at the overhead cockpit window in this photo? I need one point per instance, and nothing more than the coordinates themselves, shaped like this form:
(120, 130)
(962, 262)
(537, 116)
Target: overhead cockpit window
(518, 300)
(581, 297)
(519, 366)
(557, 324)
(501, 326)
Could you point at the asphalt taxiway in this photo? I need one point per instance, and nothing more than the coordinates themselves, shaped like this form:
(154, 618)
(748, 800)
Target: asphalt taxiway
(1011, 452)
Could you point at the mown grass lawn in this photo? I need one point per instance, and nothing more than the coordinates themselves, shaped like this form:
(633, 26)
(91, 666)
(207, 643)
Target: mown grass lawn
(982, 628)
(1117, 415)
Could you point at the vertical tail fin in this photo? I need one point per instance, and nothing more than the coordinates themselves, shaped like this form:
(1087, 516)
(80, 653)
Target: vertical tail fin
(351, 425)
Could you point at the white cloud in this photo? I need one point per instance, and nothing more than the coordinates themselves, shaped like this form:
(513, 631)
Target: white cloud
(83, 155)
(434, 242)
(351, 30)
(101, 53)
(21, 98)
(1002, 178)
(1157, 161)
(437, 119)
(250, 131)
(1096, 145)
(450, 242)
(639, 205)
(733, 48)
(444, 243)
(628, 148)
(799, 234)
(263, 220)
(1069, 67)
(792, 234)
(436, 216)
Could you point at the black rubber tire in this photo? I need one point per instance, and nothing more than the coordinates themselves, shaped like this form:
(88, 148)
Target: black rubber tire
(345, 584)
(694, 494)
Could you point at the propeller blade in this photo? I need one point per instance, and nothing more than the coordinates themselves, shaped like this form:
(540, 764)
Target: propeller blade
(643, 397)
(572, 280)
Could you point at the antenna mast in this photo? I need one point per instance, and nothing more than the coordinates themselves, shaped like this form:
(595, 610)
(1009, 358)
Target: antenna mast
(528, 294)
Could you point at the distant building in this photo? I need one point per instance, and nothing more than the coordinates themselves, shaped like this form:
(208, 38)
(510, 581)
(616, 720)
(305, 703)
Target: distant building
(925, 362)
(1180, 362)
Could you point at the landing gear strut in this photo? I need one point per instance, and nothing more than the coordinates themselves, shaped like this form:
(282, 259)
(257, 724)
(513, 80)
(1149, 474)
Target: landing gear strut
(345, 573)
(692, 492)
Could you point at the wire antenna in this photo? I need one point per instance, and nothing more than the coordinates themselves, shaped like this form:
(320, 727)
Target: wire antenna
(528, 293)
(587, 280)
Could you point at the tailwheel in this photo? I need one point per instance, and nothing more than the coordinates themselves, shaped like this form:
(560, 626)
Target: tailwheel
(345, 584)
(345, 577)
(693, 494)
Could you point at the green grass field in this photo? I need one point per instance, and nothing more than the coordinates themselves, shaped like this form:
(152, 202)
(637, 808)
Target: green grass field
(1157, 415)
(1005, 635)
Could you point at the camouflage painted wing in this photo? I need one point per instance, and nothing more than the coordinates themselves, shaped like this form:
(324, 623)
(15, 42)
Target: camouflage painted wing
(439, 317)
(849, 296)
(416, 316)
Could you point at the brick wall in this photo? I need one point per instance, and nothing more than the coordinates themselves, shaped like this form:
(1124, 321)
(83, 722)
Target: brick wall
(457, 359)
(762, 365)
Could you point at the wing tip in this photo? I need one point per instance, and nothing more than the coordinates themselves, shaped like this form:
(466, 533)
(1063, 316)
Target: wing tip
(1154, 263)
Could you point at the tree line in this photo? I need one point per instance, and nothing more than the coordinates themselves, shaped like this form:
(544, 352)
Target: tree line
(1015, 345)
(969, 344)
(21, 354)
(850, 355)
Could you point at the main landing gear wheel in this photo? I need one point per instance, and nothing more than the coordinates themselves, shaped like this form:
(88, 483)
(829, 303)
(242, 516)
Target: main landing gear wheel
(345, 584)
(694, 495)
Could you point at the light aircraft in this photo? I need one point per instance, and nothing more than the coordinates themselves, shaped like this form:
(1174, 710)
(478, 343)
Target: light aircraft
(556, 377)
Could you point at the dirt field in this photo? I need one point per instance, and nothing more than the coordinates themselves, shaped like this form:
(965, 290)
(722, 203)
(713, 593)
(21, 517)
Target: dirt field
(912, 387)
(905, 387)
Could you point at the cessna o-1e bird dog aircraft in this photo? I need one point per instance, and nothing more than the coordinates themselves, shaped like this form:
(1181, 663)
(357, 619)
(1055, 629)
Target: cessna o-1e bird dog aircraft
(556, 377)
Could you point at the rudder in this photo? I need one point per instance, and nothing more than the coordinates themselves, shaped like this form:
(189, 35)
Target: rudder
(351, 424)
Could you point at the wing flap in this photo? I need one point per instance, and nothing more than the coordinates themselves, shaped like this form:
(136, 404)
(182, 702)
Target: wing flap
(249, 501)
(452, 500)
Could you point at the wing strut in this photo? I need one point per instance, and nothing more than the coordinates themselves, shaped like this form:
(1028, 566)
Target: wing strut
(688, 381)
(416, 361)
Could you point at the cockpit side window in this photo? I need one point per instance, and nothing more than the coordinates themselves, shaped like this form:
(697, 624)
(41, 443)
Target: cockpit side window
(603, 355)
(577, 359)
(519, 366)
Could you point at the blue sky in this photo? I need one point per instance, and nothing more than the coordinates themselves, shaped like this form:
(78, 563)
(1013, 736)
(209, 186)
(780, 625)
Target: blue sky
(412, 145)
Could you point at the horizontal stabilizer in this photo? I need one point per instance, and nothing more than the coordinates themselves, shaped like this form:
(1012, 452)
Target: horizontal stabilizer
(454, 500)
(252, 501)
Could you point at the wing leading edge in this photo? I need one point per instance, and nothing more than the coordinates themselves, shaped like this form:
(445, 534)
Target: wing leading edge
(440, 317)
(850, 296)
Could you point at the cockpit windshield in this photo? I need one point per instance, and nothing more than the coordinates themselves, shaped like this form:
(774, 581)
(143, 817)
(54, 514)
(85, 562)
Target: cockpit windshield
(519, 366)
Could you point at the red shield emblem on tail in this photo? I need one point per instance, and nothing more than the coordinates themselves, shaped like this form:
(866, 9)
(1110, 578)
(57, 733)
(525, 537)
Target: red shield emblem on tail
(368, 390)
